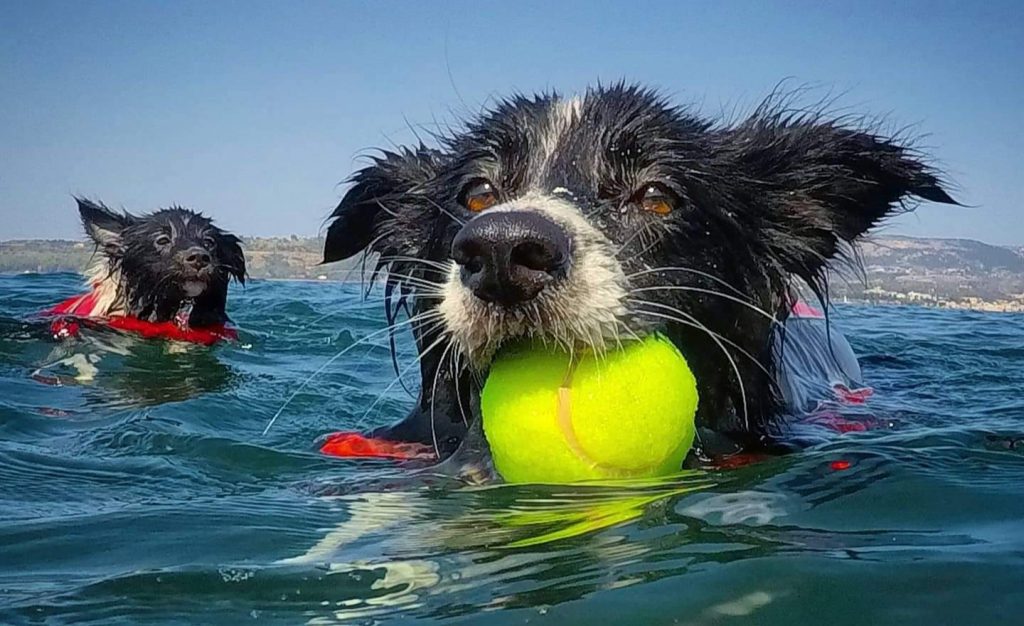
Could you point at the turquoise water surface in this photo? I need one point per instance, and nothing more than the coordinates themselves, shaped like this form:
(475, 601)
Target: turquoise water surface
(145, 492)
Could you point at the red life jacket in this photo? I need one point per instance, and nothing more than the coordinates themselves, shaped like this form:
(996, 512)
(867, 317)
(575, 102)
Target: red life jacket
(73, 312)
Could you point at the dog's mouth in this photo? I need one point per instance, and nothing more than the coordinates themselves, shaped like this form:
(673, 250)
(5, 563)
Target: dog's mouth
(195, 281)
(193, 288)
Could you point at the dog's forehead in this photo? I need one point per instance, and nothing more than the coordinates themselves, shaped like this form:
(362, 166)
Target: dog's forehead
(545, 123)
(181, 222)
(576, 142)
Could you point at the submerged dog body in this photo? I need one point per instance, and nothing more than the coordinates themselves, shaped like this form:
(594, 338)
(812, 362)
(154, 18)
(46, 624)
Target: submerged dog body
(172, 265)
(590, 221)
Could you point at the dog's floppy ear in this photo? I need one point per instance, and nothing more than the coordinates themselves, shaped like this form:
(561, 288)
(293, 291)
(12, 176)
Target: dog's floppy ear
(102, 225)
(376, 191)
(229, 249)
(820, 183)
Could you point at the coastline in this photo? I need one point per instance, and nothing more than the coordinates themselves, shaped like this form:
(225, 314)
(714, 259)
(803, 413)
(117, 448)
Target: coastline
(954, 274)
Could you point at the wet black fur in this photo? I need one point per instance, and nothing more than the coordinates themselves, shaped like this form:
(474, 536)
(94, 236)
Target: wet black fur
(762, 202)
(151, 279)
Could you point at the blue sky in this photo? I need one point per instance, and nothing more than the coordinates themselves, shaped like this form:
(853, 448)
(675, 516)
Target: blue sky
(254, 112)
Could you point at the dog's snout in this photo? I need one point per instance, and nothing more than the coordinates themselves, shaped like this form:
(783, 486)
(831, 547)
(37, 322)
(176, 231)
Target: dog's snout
(196, 257)
(509, 257)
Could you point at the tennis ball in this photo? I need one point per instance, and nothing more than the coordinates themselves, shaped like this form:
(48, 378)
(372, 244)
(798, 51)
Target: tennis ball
(625, 413)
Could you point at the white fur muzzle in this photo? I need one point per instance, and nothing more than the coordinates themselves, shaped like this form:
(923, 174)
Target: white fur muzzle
(584, 309)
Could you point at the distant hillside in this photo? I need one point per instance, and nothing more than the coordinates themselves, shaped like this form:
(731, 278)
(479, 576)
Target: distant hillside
(941, 254)
(927, 271)
(939, 268)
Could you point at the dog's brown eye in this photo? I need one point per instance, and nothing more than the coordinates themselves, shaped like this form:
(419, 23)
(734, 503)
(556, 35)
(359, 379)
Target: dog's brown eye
(480, 196)
(657, 199)
(210, 243)
(163, 240)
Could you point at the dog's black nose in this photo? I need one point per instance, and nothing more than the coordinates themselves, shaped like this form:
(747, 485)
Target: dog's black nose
(509, 257)
(197, 257)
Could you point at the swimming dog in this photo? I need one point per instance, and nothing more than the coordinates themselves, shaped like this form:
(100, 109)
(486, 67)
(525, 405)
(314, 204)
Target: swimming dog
(164, 271)
(591, 220)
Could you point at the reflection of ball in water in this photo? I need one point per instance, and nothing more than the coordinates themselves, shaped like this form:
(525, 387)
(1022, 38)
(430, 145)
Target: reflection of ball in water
(622, 414)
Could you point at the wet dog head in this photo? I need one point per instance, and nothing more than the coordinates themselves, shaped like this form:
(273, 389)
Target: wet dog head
(591, 220)
(154, 264)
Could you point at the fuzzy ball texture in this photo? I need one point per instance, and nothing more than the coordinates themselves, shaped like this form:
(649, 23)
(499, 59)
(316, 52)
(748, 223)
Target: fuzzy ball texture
(626, 413)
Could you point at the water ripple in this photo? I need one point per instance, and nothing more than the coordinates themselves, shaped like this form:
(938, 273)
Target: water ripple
(148, 494)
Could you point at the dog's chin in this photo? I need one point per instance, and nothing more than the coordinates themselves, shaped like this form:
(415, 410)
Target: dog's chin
(585, 312)
(481, 330)
(193, 288)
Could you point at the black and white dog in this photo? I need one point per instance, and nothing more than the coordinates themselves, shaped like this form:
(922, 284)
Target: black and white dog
(611, 215)
(162, 275)
(172, 265)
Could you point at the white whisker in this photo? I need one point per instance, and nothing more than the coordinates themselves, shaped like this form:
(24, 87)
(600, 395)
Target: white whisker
(328, 362)
(640, 232)
(455, 218)
(456, 356)
(688, 270)
(732, 343)
(433, 398)
(711, 292)
(398, 378)
(436, 265)
(696, 324)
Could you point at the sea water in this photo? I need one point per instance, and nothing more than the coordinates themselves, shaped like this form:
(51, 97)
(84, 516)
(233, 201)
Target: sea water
(142, 490)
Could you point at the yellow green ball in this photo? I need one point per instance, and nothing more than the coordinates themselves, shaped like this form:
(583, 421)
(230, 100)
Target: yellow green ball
(625, 413)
